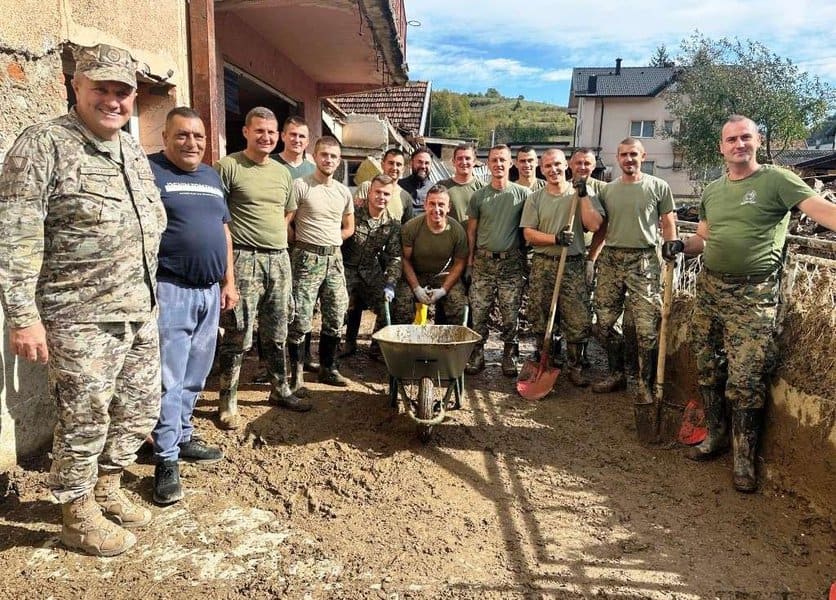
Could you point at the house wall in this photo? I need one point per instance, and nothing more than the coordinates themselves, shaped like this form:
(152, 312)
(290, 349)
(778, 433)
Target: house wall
(32, 90)
(618, 113)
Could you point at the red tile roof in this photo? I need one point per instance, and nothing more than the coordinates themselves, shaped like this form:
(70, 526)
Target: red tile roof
(405, 106)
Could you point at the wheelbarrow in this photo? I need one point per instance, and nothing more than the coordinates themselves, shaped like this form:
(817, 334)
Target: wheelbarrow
(426, 358)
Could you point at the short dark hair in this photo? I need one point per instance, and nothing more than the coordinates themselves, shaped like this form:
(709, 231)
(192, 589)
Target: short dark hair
(463, 148)
(294, 120)
(326, 140)
(499, 147)
(438, 188)
(420, 150)
(583, 150)
(522, 149)
(392, 152)
(181, 111)
(260, 112)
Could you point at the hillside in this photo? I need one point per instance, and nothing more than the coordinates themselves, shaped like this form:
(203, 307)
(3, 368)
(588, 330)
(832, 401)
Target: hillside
(512, 119)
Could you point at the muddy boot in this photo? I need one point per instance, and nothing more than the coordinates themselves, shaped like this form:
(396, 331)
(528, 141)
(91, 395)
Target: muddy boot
(328, 372)
(573, 358)
(615, 379)
(86, 529)
(116, 504)
(509, 360)
(230, 372)
(585, 362)
(716, 440)
(556, 359)
(296, 356)
(476, 363)
(746, 424)
(375, 353)
(281, 393)
(645, 407)
(310, 365)
(352, 330)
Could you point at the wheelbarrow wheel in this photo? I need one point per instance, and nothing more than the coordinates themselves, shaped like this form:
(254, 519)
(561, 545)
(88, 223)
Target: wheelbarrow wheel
(424, 408)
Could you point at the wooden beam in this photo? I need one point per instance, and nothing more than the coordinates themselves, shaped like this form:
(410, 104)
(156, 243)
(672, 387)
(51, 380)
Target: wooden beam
(207, 96)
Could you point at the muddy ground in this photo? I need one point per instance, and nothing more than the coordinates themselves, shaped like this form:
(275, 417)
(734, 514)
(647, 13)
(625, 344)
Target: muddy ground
(511, 499)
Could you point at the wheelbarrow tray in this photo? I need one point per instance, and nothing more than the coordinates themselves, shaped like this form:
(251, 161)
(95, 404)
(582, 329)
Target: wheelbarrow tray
(435, 351)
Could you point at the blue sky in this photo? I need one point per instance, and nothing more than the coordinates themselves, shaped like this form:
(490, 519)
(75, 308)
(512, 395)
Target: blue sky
(529, 47)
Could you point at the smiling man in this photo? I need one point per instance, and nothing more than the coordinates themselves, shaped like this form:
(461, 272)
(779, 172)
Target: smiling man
(463, 183)
(80, 225)
(526, 164)
(418, 183)
(393, 165)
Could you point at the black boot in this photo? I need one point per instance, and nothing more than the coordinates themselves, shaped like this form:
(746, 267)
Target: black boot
(556, 358)
(167, 488)
(573, 358)
(615, 379)
(717, 439)
(584, 357)
(328, 372)
(352, 330)
(746, 425)
(310, 365)
(645, 406)
(296, 353)
(282, 394)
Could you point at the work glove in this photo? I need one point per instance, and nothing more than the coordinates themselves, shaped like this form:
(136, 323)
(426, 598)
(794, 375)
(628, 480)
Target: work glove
(422, 294)
(437, 294)
(580, 187)
(389, 292)
(671, 249)
(565, 238)
(590, 272)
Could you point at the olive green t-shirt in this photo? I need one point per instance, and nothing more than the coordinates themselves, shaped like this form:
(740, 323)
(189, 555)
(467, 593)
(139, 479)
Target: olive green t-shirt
(498, 213)
(747, 220)
(633, 211)
(432, 252)
(258, 196)
(549, 213)
(460, 194)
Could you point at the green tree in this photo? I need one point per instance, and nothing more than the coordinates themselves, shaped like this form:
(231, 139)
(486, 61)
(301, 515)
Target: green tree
(727, 76)
(661, 58)
(450, 115)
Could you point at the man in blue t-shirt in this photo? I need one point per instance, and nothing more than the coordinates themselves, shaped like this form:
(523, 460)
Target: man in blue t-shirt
(195, 282)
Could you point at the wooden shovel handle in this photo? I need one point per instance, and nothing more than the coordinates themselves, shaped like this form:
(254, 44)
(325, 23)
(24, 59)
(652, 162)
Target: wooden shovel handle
(663, 328)
(547, 342)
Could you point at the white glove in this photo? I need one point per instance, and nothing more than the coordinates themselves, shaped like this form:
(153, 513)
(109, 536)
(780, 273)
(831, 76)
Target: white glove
(389, 293)
(422, 294)
(590, 272)
(437, 294)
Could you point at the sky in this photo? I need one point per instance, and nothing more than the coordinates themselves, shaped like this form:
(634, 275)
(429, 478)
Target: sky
(529, 47)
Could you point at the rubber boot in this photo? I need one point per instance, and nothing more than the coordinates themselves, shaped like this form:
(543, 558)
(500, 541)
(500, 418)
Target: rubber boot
(230, 372)
(86, 529)
(717, 439)
(645, 407)
(509, 360)
(585, 363)
(615, 379)
(352, 330)
(281, 394)
(476, 363)
(556, 359)
(573, 359)
(310, 365)
(296, 354)
(116, 504)
(746, 425)
(328, 372)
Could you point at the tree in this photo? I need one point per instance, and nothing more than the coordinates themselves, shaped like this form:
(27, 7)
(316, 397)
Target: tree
(450, 115)
(661, 58)
(722, 77)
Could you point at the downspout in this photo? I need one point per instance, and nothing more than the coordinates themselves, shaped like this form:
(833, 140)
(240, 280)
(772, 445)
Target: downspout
(600, 130)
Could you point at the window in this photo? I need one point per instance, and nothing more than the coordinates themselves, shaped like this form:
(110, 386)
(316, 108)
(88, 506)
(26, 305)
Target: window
(649, 166)
(668, 127)
(642, 129)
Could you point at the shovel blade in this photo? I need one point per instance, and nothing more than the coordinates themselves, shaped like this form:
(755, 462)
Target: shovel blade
(693, 429)
(536, 380)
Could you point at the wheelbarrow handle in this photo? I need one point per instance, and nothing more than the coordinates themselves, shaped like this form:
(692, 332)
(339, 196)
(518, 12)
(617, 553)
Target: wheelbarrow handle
(387, 313)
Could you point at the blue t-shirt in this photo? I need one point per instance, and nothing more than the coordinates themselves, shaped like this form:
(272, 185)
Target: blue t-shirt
(193, 247)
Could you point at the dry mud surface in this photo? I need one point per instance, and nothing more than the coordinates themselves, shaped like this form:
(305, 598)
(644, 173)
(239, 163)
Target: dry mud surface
(511, 499)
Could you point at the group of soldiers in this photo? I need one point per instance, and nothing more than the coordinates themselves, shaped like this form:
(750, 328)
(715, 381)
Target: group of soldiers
(117, 270)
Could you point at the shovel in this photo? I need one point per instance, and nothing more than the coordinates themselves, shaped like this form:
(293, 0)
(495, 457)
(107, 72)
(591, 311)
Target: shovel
(649, 430)
(536, 379)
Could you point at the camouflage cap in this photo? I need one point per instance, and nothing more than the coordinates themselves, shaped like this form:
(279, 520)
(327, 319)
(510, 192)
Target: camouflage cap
(106, 63)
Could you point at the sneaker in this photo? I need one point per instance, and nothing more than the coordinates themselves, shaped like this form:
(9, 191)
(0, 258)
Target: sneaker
(196, 451)
(167, 489)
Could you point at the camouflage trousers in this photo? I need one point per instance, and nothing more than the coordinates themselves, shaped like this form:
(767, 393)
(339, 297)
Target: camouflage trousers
(317, 276)
(365, 295)
(733, 337)
(628, 278)
(449, 310)
(105, 381)
(573, 305)
(264, 284)
(503, 279)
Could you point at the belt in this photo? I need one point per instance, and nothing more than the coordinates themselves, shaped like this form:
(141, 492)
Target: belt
(733, 278)
(632, 250)
(246, 248)
(569, 257)
(498, 255)
(321, 250)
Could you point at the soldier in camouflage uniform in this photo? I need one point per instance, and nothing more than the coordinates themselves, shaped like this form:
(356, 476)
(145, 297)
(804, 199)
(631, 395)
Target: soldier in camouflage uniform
(261, 200)
(497, 258)
(324, 219)
(741, 233)
(434, 258)
(545, 226)
(372, 260)
(635, 203)
(400, 208)
(81, 221)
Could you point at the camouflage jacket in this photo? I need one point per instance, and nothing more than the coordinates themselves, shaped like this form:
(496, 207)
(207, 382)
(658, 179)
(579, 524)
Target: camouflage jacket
(79, 227)
(374, 252)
